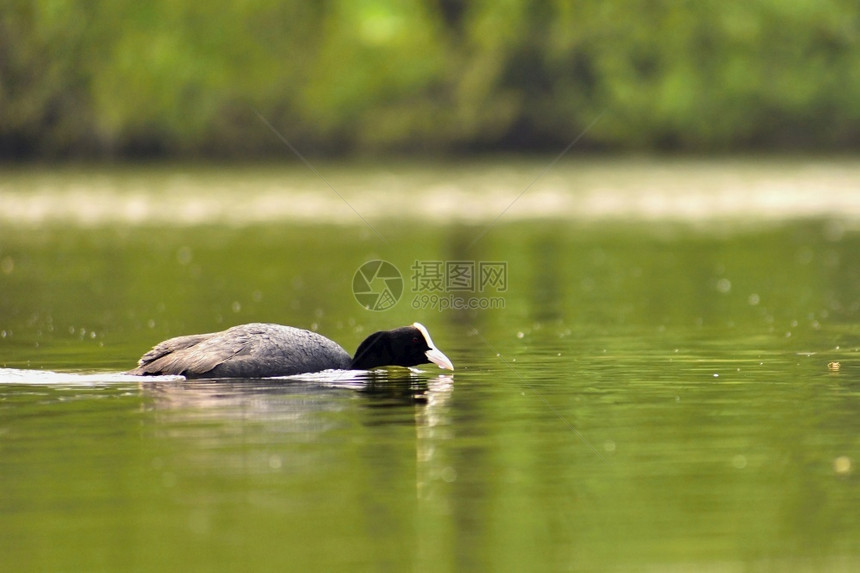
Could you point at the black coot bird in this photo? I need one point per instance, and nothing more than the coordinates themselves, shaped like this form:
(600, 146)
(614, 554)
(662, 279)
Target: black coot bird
(260, 350)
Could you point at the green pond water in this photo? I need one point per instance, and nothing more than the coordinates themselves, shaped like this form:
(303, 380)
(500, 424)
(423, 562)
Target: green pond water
(652, 390)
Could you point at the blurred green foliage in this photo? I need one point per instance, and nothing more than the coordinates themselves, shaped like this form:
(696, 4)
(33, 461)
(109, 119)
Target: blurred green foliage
(122, 77)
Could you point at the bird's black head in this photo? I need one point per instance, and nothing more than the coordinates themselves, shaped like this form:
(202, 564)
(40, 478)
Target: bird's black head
(406, 346)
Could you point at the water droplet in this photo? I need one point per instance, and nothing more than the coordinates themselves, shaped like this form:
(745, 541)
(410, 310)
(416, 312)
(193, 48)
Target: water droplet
(842, 465)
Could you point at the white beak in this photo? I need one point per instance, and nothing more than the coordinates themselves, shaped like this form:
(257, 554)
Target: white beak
(434, 355)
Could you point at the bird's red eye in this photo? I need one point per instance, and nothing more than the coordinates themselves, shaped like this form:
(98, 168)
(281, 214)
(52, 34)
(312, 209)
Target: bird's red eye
(415, 340)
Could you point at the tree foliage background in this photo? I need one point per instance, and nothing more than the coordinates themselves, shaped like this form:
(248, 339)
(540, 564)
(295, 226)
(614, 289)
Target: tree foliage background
(130, 78)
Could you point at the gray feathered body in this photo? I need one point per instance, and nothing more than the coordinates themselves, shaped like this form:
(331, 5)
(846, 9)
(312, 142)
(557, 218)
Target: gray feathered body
(246, 351)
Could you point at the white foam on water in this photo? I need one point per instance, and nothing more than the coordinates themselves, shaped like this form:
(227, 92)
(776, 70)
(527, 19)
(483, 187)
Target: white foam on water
(48, 377)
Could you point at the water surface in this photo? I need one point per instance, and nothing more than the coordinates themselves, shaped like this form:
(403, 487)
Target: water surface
(656, 392)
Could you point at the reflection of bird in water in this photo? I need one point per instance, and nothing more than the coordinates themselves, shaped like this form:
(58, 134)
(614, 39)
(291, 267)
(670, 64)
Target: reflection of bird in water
(298, 400)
